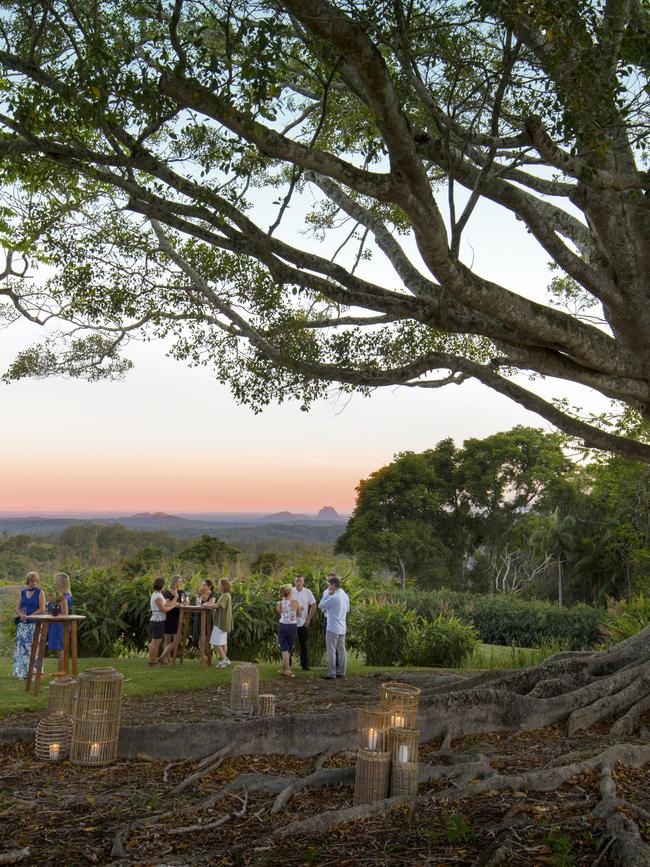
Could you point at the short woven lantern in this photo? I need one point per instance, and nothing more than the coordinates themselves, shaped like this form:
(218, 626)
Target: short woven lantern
(372, 777)
(244, 686)
(53, 737)
(401, 700)
(373, 729)
(61, 694)
(266, 704)
(404, 754)
(98, 710)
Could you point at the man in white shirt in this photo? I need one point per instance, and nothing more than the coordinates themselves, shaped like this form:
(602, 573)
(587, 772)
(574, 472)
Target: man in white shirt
(307, 601)
(335, 604)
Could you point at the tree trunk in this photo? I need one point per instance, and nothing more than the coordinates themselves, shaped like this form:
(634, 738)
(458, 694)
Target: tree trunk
(560, 594)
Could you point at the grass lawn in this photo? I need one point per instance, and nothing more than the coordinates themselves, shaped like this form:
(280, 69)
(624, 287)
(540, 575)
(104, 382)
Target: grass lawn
(140, 680)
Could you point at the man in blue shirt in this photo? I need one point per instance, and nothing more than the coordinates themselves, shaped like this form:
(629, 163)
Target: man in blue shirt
(335, 604)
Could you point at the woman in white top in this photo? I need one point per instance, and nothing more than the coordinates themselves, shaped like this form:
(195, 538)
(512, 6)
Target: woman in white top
(159, 608)
(288, 609)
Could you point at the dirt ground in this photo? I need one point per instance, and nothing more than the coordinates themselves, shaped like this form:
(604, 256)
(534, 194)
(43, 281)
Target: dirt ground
(68, 815)
(300, 695)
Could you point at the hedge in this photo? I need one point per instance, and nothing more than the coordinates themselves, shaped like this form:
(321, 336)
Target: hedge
(510, 620)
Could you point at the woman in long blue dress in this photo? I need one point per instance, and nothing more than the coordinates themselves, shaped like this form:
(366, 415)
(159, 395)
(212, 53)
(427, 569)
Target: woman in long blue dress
(32, 601)
(61, 604)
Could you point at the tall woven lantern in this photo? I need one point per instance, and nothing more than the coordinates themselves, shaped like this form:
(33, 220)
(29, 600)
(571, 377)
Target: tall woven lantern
(61, 694)
(373, 729)
(244, 687)
(53, 737)
(401, 700)
(266, 704)
(372, 777)
(98, 710)
(404, 754)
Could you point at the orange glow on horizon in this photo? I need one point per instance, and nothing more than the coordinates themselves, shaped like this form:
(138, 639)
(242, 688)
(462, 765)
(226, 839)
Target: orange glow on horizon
(156, 486)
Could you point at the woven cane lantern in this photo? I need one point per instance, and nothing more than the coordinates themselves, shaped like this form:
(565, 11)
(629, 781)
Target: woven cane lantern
(61, 694)
(401, 700)
(404, 753)
(244, 686)
(53, 737)
(372, 777)
(98, 710)
(373, 729)
(266, 704)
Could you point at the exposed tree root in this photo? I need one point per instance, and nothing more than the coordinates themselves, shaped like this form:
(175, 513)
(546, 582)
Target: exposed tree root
(117, 848)
(324, 756)
(626, 724)
(13, 856)
(549, 778)
(607, 705)
(499, 851)
(210, 763)
(626, 846)
(332, 818)
(323, 777)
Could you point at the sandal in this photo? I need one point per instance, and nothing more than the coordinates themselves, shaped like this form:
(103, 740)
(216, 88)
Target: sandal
(288, 674)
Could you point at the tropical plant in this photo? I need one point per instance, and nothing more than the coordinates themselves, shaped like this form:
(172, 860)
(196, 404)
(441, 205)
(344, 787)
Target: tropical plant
(444, 642)
(626, 617)
(382, 631)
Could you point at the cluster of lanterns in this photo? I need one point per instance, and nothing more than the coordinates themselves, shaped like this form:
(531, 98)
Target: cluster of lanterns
(387, 759)
(83, 719)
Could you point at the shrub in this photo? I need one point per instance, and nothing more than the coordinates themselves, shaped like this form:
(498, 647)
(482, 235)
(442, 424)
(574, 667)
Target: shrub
(510, 620)
(383, 631)
(625, 618)
(444, 642)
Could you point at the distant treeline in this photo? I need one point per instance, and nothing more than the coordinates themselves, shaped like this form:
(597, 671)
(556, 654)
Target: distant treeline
(136, 552)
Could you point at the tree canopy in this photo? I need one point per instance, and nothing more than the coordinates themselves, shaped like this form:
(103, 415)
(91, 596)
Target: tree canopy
(144, 145)
(427, 516)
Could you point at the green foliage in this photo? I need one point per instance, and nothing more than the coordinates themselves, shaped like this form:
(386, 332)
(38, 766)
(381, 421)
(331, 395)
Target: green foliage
(458, 831)
(117, 613)
(254, 623)
(501, 619)
(561, 845)
(626, 617)
(510, 620)
(209, 550)
(267, 563)
(383, 631)
(443, 642)
(425, 515)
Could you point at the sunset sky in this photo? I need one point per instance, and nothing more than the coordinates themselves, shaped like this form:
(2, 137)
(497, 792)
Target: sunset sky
(171, 439)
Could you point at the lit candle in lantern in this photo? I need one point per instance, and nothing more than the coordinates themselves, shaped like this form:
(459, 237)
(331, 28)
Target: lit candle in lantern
(373, 739)
(94, 751)
(403, 754)
(55, 752)
(397, 721)
(244, 691)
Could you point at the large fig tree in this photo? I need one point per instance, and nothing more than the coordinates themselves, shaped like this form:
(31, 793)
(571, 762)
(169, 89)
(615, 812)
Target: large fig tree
(162, 155)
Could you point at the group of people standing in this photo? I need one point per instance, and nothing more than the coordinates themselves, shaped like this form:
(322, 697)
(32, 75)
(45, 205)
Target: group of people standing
(297, 608)
(32, 601)
(165, 613)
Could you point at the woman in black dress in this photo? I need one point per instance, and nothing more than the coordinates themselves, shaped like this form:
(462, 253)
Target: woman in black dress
(171, 621)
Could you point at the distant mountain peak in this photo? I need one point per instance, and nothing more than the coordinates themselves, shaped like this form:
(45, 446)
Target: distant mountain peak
(284, 516)
(158, 516)
(328, 513)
